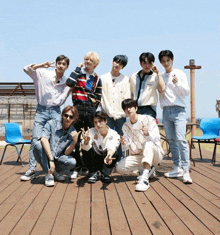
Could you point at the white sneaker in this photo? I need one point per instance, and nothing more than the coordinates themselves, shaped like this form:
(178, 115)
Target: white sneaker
(152, 173)
(58, 176)
(142, 185)
(30, 174)
(176, 172)
(186, 177)
(49, 180)
(73, 174)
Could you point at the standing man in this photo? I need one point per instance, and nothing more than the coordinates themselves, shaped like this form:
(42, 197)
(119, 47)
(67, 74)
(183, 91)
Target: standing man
(145, 83)
(51, 92)
(86, 95)
(115, 88)
(173, 103)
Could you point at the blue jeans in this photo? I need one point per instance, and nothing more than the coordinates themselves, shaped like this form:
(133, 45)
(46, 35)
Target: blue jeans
(62, 163)
(43, 114)
(117, 126)
(174, 121)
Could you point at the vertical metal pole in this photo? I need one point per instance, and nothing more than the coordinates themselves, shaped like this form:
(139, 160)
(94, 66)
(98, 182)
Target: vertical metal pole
(193, 100)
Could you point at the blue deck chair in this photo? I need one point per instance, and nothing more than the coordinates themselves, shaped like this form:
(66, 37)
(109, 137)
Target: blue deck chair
(210, 128)
(13, 138)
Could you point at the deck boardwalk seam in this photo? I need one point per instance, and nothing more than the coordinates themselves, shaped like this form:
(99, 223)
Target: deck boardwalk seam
(185, 204)
(109, 222)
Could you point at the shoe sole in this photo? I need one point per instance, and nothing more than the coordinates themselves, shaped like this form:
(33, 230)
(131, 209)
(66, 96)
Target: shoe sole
(31, 177)
(141, 190)
(92, 181)
(49, 185)
(187, 182)
(173, 176)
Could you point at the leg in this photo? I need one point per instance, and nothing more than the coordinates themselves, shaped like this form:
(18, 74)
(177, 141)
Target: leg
(64, 162)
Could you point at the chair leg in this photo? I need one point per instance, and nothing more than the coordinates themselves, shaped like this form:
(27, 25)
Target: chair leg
(19, 154)
(190, 152)
(214, 154)
(200, 150)
(3, 153)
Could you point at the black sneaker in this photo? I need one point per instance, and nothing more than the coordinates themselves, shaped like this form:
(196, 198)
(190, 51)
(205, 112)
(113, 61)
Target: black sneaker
(105, 178)
(94, 177)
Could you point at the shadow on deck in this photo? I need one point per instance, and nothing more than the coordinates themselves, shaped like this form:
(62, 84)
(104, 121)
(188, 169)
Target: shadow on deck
(167, 207)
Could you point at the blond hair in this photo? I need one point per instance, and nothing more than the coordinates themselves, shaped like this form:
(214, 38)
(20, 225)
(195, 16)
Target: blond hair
(93, 55)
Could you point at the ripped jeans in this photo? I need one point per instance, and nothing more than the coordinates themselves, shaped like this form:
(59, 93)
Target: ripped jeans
(174, 121)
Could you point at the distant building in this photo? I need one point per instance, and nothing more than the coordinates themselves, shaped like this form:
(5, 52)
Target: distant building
(17, 104)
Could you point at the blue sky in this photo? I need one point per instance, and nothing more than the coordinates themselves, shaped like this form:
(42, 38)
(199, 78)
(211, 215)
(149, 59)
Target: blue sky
(39, 31)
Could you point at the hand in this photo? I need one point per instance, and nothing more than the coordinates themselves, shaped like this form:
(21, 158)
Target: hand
(175, 79)
(123, 140)
(108, 159)
(145, 130)
(52, 167)
(48, 64)
(75, 135)
(86, 135)
(80, 65)
(155, 69)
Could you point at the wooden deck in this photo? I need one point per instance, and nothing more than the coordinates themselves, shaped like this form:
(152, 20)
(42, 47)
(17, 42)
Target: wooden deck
(168, 207)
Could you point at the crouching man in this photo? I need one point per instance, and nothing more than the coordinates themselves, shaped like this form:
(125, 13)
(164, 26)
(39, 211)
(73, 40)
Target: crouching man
(54, 151)
(142, 138)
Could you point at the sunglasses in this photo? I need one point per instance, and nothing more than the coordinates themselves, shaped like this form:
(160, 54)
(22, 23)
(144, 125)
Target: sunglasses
(68, 116)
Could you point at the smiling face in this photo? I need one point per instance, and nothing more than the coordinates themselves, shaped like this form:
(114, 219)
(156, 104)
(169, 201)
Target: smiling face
(146, 65)
(167, 63)
(67, 119)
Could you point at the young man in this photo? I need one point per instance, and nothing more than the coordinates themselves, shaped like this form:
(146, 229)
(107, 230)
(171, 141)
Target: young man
(86, 94)
(142, 138)
(145, 83)
(51, 92)
(99, 146)
(173, 103)
(115, 88)
(55, 148)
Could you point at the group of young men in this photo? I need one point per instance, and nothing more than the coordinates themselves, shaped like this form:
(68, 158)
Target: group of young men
(57, 137)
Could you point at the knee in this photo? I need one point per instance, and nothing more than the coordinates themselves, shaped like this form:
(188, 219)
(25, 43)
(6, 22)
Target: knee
(71, 163)
(120, 168)
(37, 147)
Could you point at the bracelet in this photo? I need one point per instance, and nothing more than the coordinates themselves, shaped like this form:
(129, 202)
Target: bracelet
(51, 160)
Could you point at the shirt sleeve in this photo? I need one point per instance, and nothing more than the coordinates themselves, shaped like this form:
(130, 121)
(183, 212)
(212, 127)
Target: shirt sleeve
(182, 85)
(153, 130)
(72, 79)
(34, 74)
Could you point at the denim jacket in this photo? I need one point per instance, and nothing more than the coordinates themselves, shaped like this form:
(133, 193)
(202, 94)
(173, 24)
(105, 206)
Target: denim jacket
(58, 138)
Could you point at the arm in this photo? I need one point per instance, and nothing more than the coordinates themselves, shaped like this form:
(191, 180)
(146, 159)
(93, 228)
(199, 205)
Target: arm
(70, 148)
(87, 140)
(181, 84)
(72, 79)
(46, 146)
(161, 84)
(153, 131)
(97, 95)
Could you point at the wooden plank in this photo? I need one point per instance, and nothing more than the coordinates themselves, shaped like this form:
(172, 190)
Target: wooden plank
(47, 218)
(12, 218)
(29, 219)
(152, 217)
(99, 222)
(174, 198)
(117, 220)
(81, 222)
(64, 219)
(134, 217)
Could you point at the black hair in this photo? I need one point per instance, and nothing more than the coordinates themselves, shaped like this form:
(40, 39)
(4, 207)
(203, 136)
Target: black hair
(100, 115)
(63, 57)
(165, 53)
(122, 59)
(150, 57)
(128, 103)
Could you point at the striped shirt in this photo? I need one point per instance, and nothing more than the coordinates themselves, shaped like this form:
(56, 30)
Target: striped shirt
(85, 87)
